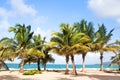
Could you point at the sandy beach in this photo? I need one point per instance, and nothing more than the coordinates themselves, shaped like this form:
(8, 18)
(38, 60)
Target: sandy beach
(51, 75)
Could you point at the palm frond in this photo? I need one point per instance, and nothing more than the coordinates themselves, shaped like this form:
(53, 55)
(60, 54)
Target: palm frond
(35, 52)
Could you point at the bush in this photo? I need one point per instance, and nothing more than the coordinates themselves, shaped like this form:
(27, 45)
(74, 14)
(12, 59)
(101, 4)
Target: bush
(32, 72)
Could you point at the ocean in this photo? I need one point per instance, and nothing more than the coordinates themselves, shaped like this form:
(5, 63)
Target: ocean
(15, 66)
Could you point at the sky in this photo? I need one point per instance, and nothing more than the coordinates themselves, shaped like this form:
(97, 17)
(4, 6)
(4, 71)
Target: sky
(45, 16)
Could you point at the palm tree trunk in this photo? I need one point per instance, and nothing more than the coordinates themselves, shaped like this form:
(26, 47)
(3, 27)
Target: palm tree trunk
(119, 59)
(101, 61)
(0, 65)
(67, 59)
(73, 65)
(119, 68)
(83, 63)
(5, 65)
(45, 67)
(38, 64)
(22, 65)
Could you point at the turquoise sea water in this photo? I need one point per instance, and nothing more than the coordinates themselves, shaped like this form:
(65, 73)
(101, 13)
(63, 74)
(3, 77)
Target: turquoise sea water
(59, 66)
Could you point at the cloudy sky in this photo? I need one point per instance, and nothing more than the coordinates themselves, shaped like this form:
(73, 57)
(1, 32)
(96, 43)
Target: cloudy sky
(45, 16)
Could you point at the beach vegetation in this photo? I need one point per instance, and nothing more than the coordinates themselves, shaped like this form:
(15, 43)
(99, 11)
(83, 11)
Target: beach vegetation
(48, 56)
(32, 56)
(116, 58)
(88, 30)
(38, 53)
(61, 43)
(79, 38)
(68, 42)
(7, 51)
(23, 36)
(38, 44)
(100, 42)
(32, 72)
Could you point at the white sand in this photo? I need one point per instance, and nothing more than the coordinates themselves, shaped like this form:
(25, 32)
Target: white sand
(88, 75)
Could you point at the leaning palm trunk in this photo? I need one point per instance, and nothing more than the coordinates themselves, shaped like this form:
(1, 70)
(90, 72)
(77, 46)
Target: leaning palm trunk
(22, 65)
(38, 64)
(0, 65)
(118, 62)
(73, 65)
(119, 68)
(101, 61)
(83, 63)
(45, 67)
(5, 65)
(67, 59)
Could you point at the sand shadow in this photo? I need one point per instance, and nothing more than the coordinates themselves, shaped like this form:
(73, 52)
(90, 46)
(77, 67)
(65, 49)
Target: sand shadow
(101, 77)
(116, 72)
(65, 79)
(8, 77)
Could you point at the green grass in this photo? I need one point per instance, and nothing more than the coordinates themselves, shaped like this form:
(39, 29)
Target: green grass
(32, 72)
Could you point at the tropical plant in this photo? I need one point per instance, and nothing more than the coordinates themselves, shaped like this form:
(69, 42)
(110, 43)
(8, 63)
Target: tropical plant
(7, 51)
(88, 30)
(116, 59)
(23, 36)
(32, 72)
(100, 42)
(33, 55)
(38, 44)
(60, 42)
(39, 53)
(67, 42)
(48, 57)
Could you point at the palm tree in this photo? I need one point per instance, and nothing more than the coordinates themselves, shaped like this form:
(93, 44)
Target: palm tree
(87, 29)
(101, 41)
(39, 44)
(66, 43)
(61, 42)
(7, 51)
(39, 53)
(33, 55)
(116, 59)
(23, 35)
(48, 57)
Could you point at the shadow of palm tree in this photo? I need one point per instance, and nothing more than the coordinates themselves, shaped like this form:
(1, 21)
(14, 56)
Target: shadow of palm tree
(8, 77)
(65, 79)
(102, 77)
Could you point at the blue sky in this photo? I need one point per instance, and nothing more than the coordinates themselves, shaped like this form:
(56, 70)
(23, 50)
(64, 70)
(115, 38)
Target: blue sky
(45, 16)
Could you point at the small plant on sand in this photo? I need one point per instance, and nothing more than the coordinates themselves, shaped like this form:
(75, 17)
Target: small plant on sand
(32, 72)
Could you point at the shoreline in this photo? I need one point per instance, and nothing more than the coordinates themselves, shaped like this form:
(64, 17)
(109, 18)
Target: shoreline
(60, 66)
(64, 69)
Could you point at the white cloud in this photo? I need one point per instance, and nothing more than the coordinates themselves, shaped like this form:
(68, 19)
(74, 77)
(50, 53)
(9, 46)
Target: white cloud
(58, 59)
(106, 8)
(43, 33)
(4, 24)
(19, 7)
(92, 58)
(4, 14)
(118, 20)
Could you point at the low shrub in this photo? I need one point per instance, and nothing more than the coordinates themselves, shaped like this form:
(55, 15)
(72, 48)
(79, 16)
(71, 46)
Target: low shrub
(32, 72)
